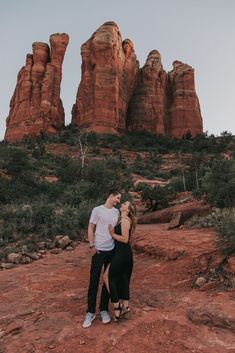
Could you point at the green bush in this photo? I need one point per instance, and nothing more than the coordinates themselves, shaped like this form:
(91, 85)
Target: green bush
(155, 198)
(148, 168)
(176, 184)
(224, 223)
(219, 183)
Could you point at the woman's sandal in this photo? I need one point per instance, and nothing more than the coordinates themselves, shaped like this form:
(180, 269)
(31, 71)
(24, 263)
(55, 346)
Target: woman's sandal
(117, 312)
(126, 311)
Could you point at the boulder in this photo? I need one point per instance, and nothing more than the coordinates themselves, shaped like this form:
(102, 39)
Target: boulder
(63, 241)
(176, 220)
(14, 258)
(164, 216)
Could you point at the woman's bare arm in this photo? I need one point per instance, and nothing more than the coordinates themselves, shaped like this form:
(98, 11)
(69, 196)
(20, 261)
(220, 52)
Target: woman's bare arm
(125, 227)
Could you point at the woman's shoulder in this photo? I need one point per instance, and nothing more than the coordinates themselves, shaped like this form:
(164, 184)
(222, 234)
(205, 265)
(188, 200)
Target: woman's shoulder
(126, 220)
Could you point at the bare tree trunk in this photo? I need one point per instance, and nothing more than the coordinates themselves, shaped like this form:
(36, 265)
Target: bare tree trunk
(83, 149)
(183, 180)
(196, 177)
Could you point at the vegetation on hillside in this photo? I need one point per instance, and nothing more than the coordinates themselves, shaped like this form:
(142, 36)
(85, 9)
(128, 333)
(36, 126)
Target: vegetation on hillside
(43, 193)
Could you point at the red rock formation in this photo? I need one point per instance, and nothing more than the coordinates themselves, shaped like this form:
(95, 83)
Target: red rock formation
(109, 69)
(147, 106)
(184, 109)
(36, 105)
(165, 103)
(113, 96)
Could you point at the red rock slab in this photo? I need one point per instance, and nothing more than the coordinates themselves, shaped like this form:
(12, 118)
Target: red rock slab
(188, 210)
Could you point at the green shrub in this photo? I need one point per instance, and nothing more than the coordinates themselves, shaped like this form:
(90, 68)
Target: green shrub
(224, 223)
(219, 183)
(155, 198)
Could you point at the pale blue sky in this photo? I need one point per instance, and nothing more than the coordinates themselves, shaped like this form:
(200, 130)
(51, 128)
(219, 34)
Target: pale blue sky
(200, 33)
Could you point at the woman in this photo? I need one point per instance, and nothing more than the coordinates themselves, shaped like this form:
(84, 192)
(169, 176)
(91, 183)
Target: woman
(118, 273)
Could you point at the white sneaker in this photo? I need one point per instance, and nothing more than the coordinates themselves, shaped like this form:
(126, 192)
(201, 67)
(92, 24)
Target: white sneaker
(88, 320)
(105, 317)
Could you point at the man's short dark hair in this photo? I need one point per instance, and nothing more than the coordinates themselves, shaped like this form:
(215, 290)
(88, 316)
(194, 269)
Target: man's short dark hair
(113, 192)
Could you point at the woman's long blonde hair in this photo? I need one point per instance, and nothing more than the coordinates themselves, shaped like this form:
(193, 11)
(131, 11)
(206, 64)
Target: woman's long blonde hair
(132, 216)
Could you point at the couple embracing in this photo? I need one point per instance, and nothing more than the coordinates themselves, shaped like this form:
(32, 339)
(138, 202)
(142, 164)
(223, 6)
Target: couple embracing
(109, 234)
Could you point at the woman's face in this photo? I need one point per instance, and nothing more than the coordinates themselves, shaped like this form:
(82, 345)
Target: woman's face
(125, 206)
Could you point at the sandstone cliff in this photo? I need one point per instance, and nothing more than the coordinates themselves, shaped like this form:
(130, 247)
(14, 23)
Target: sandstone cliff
(114, 95)
(109, 69)
(36, 106)
(165, 103)
(184, 109)
(147, 106)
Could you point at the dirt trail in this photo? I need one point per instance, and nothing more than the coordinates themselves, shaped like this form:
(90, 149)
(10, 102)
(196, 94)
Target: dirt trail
(43, 303)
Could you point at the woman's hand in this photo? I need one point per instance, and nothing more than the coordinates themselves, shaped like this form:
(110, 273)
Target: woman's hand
(111, 230)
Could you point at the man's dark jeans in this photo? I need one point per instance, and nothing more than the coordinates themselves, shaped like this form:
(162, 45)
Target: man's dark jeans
(98, 260)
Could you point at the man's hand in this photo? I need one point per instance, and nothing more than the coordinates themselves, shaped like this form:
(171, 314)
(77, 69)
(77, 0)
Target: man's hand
(93, 250)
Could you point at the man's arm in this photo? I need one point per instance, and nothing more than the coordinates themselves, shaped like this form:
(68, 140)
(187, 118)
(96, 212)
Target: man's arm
(91, 232)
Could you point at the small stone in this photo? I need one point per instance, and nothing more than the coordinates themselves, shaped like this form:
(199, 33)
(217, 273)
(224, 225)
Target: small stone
(25, 260)
(32, 256)
(200, 281)
(56, 251)
(7, 266)
(231, 264)
(69, 248)
(42, 245)
(82, 342)
(63, 242)
(15, 258)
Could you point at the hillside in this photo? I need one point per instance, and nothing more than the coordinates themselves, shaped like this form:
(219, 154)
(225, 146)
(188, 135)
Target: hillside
(182, 286)
(50, 184)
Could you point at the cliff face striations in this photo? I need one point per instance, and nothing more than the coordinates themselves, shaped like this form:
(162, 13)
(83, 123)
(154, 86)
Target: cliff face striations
(165, 103)
(115, 95)
(184, 109)
(148, 103)
(36, 106)
(109, 69)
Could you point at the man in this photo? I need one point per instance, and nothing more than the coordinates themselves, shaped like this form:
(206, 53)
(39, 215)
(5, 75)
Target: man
(101, 248)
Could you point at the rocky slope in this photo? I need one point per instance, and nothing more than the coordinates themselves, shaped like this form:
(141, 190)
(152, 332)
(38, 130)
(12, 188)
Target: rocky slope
(43, 303)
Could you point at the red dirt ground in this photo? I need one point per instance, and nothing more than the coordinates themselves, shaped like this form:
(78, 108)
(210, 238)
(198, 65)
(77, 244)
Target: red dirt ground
(43, 303)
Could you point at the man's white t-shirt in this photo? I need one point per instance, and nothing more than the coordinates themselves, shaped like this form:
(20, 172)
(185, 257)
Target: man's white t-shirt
(102, 216)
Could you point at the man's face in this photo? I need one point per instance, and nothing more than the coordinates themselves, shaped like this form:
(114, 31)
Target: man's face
(115, 199)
